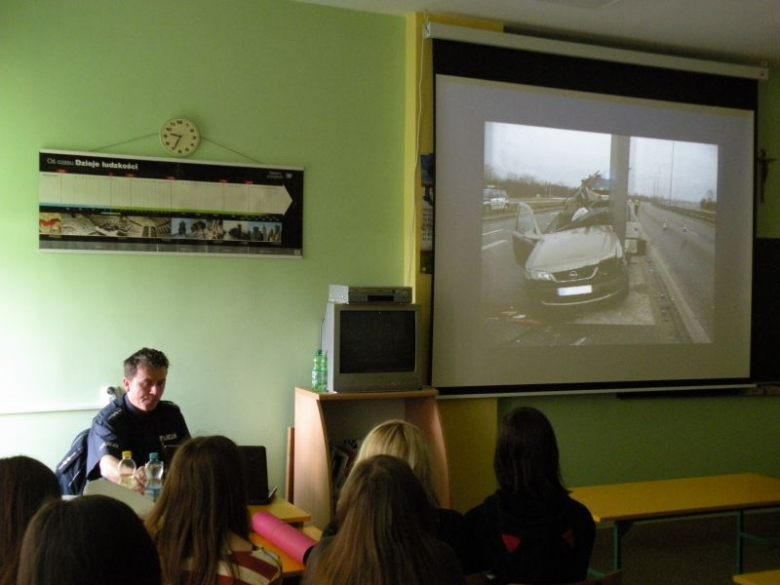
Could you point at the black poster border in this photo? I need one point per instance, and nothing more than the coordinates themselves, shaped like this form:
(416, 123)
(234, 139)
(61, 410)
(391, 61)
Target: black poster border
(98, 223)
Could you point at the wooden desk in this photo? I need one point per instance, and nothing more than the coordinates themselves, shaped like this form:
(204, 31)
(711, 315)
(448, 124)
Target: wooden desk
(293, 515)
(284, 510)
(626, 503)
(759, 578)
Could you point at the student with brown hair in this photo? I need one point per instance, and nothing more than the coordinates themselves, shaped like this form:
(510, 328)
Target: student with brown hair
(201, 522)
(89, 540)
(25, 485)
(530, 530)
(385, 535)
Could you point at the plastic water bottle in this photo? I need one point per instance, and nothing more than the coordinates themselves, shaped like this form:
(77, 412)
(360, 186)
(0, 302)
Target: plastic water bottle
(154, 475)
(319, 372)
(126, 469)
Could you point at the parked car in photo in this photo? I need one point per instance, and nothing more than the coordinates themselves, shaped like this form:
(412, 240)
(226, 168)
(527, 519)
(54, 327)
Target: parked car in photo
(577, 259)
(494, 199)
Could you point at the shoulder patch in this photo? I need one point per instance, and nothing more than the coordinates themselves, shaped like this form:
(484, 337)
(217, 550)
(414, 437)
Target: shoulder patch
(109, 413)
(113, 416)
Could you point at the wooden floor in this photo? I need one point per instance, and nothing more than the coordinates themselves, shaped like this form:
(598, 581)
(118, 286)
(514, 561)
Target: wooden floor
(690, 552)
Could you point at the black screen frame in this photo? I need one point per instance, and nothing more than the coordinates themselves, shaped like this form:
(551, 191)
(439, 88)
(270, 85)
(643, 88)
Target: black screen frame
(510, 65)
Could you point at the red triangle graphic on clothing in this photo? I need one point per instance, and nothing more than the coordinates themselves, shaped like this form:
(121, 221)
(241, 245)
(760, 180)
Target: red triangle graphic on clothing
(510, 542)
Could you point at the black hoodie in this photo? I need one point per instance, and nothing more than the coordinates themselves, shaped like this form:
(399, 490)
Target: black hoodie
(524, 540)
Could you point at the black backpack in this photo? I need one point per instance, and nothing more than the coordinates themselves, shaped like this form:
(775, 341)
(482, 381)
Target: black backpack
(71, 471)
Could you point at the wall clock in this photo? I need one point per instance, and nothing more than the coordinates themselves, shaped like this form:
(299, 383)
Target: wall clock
(180, 136)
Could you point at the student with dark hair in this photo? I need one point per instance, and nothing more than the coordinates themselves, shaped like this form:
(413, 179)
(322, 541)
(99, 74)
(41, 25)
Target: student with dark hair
(25, 485)
(89, 540)
(201, 521)
(386, 533)
(140, 421)
(530, 530)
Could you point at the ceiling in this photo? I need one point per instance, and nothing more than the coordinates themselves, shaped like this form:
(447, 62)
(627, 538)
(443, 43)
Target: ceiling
(740, 31)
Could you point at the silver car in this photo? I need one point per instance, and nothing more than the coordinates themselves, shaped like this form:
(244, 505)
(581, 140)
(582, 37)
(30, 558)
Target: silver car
(578, 258)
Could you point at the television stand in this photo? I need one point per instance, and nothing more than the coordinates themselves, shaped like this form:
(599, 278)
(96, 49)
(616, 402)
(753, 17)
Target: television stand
(324, 419)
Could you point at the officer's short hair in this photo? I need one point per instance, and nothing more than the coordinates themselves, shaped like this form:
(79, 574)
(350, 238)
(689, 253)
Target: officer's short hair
(151, 358)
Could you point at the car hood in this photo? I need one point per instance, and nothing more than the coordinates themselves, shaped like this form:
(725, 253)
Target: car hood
(570, 249)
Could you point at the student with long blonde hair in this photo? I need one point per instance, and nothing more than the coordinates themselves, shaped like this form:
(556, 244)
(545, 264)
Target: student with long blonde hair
(386, 533)
(201, 522)
(404, 440)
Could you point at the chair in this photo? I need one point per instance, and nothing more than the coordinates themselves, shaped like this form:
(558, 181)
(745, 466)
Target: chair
(71, 471)
(111, 393)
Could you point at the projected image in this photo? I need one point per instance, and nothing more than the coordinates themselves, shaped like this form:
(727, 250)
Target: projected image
(593, 239)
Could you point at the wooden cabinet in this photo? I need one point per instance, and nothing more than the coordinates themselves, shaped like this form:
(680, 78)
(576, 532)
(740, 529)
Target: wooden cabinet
(322, 420)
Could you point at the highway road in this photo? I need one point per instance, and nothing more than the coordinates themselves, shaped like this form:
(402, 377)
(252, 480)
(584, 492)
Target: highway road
(685, 246)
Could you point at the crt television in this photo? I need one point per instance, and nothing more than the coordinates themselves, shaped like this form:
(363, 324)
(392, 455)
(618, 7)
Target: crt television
(372, 347)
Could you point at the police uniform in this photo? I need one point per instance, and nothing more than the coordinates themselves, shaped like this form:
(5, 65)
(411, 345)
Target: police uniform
(122, 427)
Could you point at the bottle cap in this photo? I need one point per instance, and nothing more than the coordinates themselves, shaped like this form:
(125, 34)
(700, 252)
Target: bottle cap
(154, 456)
(127, 454)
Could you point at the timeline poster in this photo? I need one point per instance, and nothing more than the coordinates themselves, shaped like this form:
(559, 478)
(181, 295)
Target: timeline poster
(115, 203)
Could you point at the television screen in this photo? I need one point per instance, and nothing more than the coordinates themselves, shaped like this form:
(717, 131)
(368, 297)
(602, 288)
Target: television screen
(372, 347)
(377, 341)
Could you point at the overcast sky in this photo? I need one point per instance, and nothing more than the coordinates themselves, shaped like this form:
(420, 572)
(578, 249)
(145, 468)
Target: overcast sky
(567, 156)
(689, 169)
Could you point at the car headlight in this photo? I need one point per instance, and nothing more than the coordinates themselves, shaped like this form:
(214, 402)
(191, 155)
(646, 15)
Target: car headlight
(538, 275)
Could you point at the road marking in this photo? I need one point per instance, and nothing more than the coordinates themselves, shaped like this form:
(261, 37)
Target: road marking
(492, 232)
(494, 244)
(692, 325)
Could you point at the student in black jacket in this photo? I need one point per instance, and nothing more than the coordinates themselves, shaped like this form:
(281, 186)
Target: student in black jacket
(530, 530)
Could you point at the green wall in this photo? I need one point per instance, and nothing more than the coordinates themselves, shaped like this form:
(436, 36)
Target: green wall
(280, 82)
(604, 439)
(285, 84)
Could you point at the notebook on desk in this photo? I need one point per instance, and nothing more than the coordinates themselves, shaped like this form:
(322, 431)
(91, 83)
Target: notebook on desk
(256, 469)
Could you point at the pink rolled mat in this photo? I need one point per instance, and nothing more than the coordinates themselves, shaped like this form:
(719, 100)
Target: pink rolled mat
(291, 540)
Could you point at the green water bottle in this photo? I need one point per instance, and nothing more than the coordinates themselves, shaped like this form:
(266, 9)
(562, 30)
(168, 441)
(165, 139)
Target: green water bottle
(319, 372)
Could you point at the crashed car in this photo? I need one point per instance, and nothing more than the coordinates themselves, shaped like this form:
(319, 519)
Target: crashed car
(578, 258)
